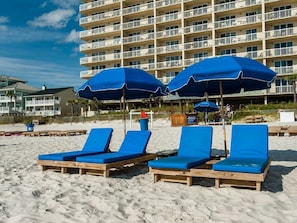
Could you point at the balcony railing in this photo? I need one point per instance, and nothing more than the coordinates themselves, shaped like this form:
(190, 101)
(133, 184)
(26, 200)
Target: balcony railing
(283, 51)
(138, 8)
(96, 4)
(99, 17)
(169, 17)
(281, 33)
(198, 44)
(281, 14)
(238, 21)
(197, 28)
(198, 12)
(285, 69)
(167, 3)
(239, 39)
(236, 4)
(101, 30)
(99, 44)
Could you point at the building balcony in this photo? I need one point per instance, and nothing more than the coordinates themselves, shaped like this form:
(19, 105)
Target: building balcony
(98, 31)
(239, 39)
(169, 49)
(281, 52)
(169, 17)
(83, 8)
(285, 70)
(169, 64)
(169, 33)
(197, 12)
(47, 102)
(236, 5)
(272, 34)
(164, 3)
(138, 8)
(238, 21)
(138, 38)
(198, 44)
(95, 18)
(198, 28)
(138, 23)
(281, 14)
(100, 44)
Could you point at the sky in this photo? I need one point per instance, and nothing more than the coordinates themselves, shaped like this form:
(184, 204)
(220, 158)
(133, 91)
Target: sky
(39, 42)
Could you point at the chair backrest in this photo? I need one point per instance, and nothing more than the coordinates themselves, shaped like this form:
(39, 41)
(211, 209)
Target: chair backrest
(195, 141)
(98, 140)
(135, 142)
(249, 140)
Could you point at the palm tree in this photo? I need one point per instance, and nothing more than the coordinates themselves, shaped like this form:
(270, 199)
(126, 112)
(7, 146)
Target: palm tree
(72, 102)
(293, 78)
(11, 95)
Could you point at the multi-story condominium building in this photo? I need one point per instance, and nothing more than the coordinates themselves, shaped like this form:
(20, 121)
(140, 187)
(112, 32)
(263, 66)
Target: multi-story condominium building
(50, 102)
(165, 36)
(12, 92)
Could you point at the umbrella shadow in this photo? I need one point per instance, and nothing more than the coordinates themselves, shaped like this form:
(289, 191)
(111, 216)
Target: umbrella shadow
(128, 172)
(273, 182)
(283, 155)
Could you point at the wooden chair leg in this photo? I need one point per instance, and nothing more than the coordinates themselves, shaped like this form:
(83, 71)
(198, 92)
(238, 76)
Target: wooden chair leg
(217, 183)
(258, 186)
(156, 178)
(189, 181)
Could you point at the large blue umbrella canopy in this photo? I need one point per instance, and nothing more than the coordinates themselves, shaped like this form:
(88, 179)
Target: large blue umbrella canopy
(222, 75)
(115, 83)
(122, 83)
(206, 106)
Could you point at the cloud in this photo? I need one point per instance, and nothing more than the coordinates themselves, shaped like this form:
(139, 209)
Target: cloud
(66, 3)
(3, 19)
(41, 72)
(56, 19)
(73, 37)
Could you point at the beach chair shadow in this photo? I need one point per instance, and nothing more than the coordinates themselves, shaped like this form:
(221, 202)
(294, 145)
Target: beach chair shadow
(248, 163)
(97, 142)
(194, 150)
(132, 151)
(274, 181)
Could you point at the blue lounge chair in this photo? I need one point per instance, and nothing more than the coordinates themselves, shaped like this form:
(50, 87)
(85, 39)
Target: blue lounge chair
(131, 151)
(194, 150)
(248, 162)
(97, 142)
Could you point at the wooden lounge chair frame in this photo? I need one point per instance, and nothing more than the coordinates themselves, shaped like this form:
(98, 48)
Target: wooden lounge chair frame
(92, 168)
(239, 179)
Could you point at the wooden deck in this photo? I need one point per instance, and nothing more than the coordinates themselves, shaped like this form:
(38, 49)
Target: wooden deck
(92, 168)
(238, 179)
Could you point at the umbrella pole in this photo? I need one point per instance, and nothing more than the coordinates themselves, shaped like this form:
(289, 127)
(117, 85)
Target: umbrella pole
(223, 118)
(124, 110)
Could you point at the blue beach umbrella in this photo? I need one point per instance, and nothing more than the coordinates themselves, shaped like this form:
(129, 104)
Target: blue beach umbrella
(206, 106)
(122, 83)
(222, 75)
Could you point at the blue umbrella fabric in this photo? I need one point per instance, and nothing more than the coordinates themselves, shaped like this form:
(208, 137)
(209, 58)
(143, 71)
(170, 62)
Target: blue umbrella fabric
(206, 106)
(218, 75)
(122, 83)
(115, 83)
(231, 72)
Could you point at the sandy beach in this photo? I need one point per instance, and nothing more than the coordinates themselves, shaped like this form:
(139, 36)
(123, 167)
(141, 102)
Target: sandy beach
(29, 195)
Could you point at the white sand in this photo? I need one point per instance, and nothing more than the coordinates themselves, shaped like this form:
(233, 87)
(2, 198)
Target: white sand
(29, 195)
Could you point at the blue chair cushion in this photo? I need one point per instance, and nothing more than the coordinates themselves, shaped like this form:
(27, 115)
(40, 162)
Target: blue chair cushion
(244, 165)
(177, 162)
(195, 141)
(64, 156)
(107, 157)
(249, 140)
(97, 142)
(135, 142)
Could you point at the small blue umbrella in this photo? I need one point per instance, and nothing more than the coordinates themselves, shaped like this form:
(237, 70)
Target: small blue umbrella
(122, 83)
(206, 106)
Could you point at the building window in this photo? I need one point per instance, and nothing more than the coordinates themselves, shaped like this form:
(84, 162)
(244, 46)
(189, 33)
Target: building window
(284, 66)
(252, 51)
(251, 34)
